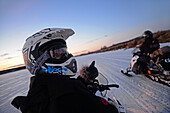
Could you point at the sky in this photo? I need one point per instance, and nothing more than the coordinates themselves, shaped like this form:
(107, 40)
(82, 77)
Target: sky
(96, 23)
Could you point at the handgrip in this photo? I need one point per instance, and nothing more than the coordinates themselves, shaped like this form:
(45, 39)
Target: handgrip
(113, 85)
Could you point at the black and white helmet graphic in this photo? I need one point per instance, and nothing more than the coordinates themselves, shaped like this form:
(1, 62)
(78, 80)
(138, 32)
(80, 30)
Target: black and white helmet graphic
(46, 52)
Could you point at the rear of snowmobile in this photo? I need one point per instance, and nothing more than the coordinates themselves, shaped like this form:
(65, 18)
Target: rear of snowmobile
(103, 87)
(158, 71)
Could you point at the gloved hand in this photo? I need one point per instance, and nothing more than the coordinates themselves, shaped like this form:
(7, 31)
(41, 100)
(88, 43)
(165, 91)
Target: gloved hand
(155, 54)
(18, 101)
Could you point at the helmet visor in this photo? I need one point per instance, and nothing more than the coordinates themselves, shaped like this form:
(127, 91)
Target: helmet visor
(145, 36)
(58, 53)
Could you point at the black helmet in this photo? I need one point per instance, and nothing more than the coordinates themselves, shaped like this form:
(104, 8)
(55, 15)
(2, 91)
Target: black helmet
(147, 34)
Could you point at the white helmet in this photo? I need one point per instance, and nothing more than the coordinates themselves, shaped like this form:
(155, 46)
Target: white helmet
(46, 52)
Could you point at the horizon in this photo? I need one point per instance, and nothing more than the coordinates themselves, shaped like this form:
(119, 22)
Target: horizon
(96, 23)
(84, 53)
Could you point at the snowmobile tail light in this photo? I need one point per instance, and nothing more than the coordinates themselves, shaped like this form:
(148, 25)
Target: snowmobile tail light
(149, 72)
(131, 64)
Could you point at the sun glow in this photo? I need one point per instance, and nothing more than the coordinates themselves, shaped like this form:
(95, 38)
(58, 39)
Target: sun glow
(11, 63)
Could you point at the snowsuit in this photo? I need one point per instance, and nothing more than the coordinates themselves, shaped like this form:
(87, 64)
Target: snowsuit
(89, 84)
(148, 47)
(60, 94)
(161, 51)
(161, 56)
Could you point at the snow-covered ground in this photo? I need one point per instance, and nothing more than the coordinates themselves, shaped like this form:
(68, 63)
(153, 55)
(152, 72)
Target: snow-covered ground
(138, 94)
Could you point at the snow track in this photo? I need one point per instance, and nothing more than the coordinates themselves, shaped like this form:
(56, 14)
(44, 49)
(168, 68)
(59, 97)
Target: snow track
(11, 85)
(138, 94)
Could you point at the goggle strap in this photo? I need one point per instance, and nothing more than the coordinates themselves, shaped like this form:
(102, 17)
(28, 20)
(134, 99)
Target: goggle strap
(39, 62)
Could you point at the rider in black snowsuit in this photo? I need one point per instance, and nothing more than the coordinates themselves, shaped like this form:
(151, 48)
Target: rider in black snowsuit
(60, 94)
(149, 46)
(51, 90)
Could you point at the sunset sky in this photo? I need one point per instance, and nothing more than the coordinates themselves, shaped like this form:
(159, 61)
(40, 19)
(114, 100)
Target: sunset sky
(96, 23)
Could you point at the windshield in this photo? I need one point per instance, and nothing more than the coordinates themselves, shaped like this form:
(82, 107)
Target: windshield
(102, 81)
(136, 50)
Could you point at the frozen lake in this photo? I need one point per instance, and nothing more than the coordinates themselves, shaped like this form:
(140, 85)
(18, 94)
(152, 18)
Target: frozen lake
(138, 94)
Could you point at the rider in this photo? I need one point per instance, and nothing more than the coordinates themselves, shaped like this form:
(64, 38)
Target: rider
(149, 45)
(52, 90)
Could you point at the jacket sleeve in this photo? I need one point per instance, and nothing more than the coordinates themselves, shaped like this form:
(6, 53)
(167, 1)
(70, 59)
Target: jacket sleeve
(37, 98)
(156, 44)
(145, 47)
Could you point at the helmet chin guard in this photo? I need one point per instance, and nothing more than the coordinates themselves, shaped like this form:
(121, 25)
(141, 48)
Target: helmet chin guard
(68, 67)
(39, 62)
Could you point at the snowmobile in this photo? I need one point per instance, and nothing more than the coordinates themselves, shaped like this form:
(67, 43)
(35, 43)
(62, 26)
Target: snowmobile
(102, 88)
(158, 69)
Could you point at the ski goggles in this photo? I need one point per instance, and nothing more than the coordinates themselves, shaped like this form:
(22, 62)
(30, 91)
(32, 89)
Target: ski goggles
(58, 53)
(145, 36)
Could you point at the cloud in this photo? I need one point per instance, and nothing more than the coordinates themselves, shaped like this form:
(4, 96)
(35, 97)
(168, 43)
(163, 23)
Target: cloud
(8, 58)
(5, 54)
(80, 52)
(19, 50)
(94, 40)
(16, 66)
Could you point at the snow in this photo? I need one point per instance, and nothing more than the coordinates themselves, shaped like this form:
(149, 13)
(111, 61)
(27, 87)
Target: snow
(138, 94)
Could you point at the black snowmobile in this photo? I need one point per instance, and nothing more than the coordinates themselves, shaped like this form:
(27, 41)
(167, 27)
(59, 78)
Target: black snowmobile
(102, 88)
(158, 69)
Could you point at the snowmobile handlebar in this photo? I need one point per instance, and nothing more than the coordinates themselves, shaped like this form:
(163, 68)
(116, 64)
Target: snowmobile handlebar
(113, 85)
(138, 53)
(106, 87)
(102, 87)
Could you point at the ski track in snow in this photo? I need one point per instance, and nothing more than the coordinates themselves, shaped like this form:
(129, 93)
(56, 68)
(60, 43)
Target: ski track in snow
(138, 94)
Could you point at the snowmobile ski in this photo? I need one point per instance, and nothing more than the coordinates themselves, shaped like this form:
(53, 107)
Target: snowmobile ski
(125, 73)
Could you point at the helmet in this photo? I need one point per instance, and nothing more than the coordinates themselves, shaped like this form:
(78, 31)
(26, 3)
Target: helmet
(46, 52)
(89, 72)
(147, 34)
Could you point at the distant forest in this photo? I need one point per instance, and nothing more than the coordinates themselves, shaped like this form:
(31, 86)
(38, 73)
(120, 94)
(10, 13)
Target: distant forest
(162, 36)
(12, 70)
